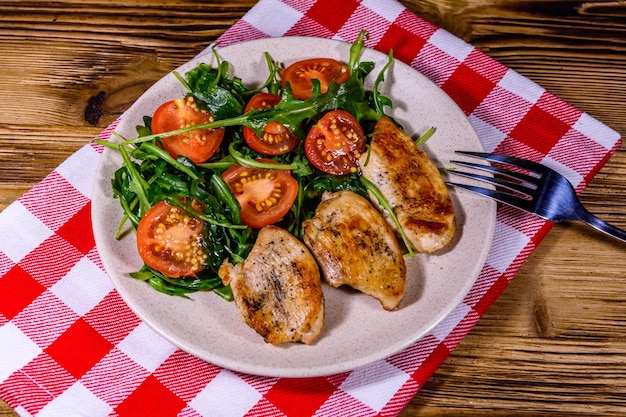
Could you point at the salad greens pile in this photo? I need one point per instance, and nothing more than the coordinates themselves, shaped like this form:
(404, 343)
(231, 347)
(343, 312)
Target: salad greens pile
(149, 174)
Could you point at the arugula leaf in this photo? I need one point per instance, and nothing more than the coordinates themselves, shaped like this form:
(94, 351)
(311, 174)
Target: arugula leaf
(379, 101)
(222, 96)
(219, 95)
(183, 286)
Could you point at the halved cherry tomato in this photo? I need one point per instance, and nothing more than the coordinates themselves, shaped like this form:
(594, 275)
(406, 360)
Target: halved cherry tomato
(265, 195)
(277, 139)
(170, 241)
(299, 75)
(335, 143)
(197, 145)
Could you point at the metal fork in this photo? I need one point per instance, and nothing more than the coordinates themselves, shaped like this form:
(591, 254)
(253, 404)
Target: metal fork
(543, 191)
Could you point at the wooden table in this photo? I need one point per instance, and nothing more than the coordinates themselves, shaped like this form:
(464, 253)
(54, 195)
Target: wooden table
(553, 342)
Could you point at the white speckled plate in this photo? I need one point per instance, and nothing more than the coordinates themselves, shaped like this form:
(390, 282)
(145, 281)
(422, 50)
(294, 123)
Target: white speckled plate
(357, 330)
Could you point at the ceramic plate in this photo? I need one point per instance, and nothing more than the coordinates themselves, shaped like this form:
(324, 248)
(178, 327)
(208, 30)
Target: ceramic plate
(357, 330)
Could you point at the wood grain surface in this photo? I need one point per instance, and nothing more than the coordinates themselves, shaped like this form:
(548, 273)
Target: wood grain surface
(554, 342)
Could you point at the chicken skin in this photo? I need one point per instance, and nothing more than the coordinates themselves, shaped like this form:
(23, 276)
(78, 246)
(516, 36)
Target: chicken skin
(412, 185)
(354, 245)
(278, 289)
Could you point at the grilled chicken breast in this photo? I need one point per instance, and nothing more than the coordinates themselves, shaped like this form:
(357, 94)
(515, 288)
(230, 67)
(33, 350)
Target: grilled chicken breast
(278, 289)
(412, 185)
(354, 245)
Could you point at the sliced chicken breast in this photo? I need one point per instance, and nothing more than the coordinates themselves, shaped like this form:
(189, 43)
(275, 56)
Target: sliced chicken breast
(355, 246)
(278, 289)
(412, 185)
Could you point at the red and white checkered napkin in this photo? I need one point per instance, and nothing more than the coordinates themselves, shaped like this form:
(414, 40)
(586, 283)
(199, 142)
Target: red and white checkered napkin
(69, 346)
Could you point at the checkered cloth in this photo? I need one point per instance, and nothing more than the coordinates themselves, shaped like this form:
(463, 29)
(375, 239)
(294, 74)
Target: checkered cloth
(69, 346)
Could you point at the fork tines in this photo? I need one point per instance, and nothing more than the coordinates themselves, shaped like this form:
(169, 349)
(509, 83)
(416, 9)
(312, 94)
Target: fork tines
(509, 160)
(506, 174)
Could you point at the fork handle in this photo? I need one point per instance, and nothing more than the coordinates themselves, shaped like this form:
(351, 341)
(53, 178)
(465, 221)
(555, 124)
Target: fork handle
(599, 224)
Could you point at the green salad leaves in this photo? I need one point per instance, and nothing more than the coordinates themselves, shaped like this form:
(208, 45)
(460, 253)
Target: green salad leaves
(149, 174)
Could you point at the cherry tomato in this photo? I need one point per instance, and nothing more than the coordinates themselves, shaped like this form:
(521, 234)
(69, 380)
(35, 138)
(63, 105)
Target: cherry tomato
(265, 195)
(170, 241)
(197, 145)
(334, 144)
(300, 74)
(277, 138)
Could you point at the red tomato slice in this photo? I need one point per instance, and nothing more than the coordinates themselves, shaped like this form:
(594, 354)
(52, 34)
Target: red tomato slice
(197, 145)
(277, 139)
(170, 241)
(299, 75)
(265, 195)
(335, 143)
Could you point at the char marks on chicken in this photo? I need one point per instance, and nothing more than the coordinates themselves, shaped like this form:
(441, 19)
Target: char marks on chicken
(412, 185)
(278, 289)
(355, 246)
